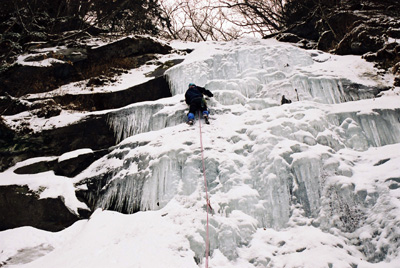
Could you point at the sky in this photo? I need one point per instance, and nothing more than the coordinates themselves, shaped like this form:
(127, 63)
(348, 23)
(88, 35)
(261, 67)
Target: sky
(280, 177)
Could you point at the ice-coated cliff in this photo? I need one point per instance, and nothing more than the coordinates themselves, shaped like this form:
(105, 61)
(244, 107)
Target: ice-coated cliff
(314, 183)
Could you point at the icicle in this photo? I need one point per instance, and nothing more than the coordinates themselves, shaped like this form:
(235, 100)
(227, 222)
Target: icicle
(377, 129)
(265, 70)
(142, 118)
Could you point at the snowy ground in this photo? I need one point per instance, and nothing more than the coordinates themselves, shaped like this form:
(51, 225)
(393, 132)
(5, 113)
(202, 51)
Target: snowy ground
(310, 184)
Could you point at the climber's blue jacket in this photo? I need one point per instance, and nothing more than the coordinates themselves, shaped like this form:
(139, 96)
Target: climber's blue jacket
(196, 92)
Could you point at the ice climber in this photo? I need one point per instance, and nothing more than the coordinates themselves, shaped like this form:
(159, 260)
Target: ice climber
(194, 97)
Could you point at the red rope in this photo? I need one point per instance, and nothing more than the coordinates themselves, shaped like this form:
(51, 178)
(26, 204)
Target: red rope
(205, 185)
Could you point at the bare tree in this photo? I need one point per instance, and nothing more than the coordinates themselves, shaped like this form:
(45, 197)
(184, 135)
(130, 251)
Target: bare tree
(173, 24)
(197, 17)
(197, 20)
(262, 17)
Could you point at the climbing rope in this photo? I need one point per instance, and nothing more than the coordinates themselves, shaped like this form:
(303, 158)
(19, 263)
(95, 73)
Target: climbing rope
(207, 200)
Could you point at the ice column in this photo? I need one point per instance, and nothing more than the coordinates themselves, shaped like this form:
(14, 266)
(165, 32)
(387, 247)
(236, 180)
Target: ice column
(382, 127)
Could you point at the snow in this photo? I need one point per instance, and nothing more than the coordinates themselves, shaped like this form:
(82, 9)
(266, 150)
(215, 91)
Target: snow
(73, 154)
(126, 80)
(42, 63)
(311, 184)
(37, 124)
(46, 184)
(138, 247)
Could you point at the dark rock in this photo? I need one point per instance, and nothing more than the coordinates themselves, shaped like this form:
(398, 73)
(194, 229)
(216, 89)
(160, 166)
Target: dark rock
(288, 37)
(96, 81)
(128, 47)
(396, 71)
(396, 82)
(5, 132)
(92, 132)
(306, 30)
(76, 66)
(42, 108)
(35, 58)
(393, 32)
(371, 57)
(386, 57)
(339, 23)
(361, 40)
(70, 55)
(163, 67)
(103, 80)
(300, 42)
(327, 41)
(351, 27)
(46, 108)
(10, 105)
(152, 90)
(36, 168)
(7, 137)
(20, 80)
(84, 213)
(73, 166)
(396, 68)
(19, 207)
(42, 103)
(91, 196)
(69, 167)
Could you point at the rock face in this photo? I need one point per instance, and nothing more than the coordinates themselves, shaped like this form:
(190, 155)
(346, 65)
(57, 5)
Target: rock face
(21, 207)
(369, 28)
(73, 166)
(154, 89)
(127, 47)
(69, 167)
(127, 53)
(36, 168)
(92, 132)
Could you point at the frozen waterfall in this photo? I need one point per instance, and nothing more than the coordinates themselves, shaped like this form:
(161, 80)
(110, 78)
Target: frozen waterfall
(269, 167)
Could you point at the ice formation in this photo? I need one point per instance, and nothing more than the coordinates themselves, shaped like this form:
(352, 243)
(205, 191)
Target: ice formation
(314, 183)
(268, 166)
